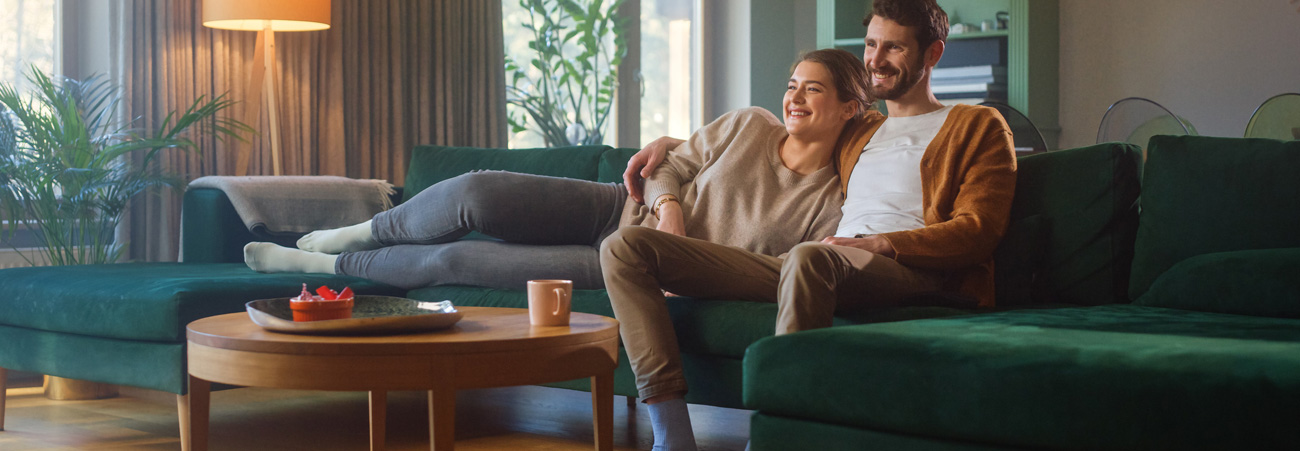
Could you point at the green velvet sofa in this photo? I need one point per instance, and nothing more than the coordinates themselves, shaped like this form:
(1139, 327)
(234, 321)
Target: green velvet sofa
(1206, 357)
(124, 324)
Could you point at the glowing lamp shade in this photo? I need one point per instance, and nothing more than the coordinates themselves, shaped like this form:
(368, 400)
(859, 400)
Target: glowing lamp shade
(265, 17)
(252, 15)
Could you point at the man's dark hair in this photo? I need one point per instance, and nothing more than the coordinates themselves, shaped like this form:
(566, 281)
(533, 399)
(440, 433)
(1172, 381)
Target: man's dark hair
(929, 20)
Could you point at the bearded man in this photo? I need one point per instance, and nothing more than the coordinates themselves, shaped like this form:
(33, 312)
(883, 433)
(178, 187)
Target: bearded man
(928, 194)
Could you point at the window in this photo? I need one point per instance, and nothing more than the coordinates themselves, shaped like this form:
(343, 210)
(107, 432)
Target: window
(664, 73)
(668, 49)
(28, 37)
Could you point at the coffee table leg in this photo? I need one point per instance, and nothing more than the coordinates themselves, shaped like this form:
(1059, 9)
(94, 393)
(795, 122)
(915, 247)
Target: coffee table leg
(602, 408)
(4, 386)
(442, 418)
(378, 419)
(193, 412)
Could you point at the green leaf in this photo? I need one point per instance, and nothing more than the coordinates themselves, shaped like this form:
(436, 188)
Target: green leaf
(69, 172)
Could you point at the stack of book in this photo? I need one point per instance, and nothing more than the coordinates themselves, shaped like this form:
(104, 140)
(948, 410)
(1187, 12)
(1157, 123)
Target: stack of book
(971, 71)
(970, 84)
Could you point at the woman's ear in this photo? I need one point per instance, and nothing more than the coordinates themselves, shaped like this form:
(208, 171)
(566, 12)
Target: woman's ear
(850, 110)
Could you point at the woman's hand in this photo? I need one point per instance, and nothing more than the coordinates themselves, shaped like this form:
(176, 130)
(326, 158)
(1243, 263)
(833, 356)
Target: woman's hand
(641, 165)
(671, 219)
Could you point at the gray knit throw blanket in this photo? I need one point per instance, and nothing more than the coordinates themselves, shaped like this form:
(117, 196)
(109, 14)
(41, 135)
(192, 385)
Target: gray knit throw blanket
(294, 205)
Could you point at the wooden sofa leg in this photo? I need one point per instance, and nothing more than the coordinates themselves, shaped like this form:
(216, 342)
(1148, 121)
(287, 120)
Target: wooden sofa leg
(192, 411)
(4, 385)
(631, 402)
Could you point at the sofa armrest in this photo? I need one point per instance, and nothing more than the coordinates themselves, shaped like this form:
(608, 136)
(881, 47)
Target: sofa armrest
(211, 231)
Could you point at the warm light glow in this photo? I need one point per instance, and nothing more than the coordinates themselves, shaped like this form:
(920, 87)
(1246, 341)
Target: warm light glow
(253, 15)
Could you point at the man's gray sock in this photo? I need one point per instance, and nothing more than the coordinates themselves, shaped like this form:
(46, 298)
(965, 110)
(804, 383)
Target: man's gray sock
(672, 426)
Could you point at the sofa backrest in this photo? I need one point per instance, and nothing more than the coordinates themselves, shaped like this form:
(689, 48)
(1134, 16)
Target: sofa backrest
(1219, 229)
(433, 164)
(1073, 222)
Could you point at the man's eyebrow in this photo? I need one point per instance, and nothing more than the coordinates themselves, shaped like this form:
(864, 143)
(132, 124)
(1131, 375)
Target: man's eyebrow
(895, 42)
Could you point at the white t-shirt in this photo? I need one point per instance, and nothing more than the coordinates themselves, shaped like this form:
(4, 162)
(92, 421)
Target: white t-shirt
(884, 192)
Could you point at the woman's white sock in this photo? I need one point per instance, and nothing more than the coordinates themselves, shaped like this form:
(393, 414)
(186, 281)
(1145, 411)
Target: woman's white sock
(352, 238)
(269, 257)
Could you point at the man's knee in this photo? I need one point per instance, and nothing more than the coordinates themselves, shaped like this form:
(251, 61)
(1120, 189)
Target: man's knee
(809, 256)
(626, 245)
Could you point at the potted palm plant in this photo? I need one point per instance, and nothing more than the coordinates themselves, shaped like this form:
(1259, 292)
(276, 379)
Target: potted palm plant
(66, 166)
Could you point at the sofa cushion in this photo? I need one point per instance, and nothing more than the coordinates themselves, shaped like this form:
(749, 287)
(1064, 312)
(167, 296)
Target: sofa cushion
(612, 164)
(773, 433)
(433, 164)
(1258, 282)
(145, 301)
(1075, 378)
(1073, 220)
(1203, 195)
(707, 327)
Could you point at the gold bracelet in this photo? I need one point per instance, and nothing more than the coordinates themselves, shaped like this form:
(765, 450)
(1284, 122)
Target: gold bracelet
(660, 203)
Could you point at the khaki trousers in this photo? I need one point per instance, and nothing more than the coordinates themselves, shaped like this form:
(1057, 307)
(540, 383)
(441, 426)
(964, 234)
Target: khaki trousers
(809, 285)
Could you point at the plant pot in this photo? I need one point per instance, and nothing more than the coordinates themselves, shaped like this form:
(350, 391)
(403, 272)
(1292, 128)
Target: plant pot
(317, 310)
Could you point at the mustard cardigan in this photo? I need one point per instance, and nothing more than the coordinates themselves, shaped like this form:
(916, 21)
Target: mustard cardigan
(968, 179)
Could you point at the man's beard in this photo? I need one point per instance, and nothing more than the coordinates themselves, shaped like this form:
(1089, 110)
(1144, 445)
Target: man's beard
(904, 81)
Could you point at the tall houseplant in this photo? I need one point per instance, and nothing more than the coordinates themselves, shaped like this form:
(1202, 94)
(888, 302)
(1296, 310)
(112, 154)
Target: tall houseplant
(566, 90)
(66, 171)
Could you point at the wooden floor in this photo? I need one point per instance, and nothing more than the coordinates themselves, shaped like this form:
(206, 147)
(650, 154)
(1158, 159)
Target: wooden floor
(515, 418)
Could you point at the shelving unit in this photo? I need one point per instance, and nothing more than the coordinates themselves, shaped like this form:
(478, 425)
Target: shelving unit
(1032, 37)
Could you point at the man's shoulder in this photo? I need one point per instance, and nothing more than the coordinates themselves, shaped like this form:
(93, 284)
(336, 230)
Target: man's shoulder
(979, 115)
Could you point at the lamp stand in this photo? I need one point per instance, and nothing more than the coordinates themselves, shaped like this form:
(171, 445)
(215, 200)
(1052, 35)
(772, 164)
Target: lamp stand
(265, 72)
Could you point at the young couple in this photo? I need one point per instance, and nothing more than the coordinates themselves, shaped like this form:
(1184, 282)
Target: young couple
(746, 180)
(926, 195)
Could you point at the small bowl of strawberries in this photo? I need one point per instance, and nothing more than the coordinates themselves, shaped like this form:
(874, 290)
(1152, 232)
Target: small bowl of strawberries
(325, 304)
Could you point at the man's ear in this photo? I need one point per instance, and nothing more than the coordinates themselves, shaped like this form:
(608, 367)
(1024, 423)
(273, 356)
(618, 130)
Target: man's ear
(935, 52)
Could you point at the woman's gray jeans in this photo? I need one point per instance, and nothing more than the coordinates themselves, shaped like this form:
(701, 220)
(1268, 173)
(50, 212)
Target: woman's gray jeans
(544, 228)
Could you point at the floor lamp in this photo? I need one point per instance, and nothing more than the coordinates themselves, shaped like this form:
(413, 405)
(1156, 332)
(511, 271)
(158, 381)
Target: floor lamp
(266, 17)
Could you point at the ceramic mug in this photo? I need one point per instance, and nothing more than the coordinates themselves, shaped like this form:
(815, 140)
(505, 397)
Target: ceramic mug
(549, 302)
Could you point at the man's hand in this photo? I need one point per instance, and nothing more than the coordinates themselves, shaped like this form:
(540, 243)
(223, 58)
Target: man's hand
(671, 219)
(873, 243)
(644, 163)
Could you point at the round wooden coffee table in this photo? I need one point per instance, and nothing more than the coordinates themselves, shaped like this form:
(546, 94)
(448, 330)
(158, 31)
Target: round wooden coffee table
(489, 347)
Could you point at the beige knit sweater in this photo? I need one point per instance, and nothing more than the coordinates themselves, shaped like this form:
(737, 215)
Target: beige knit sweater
(734, 189)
